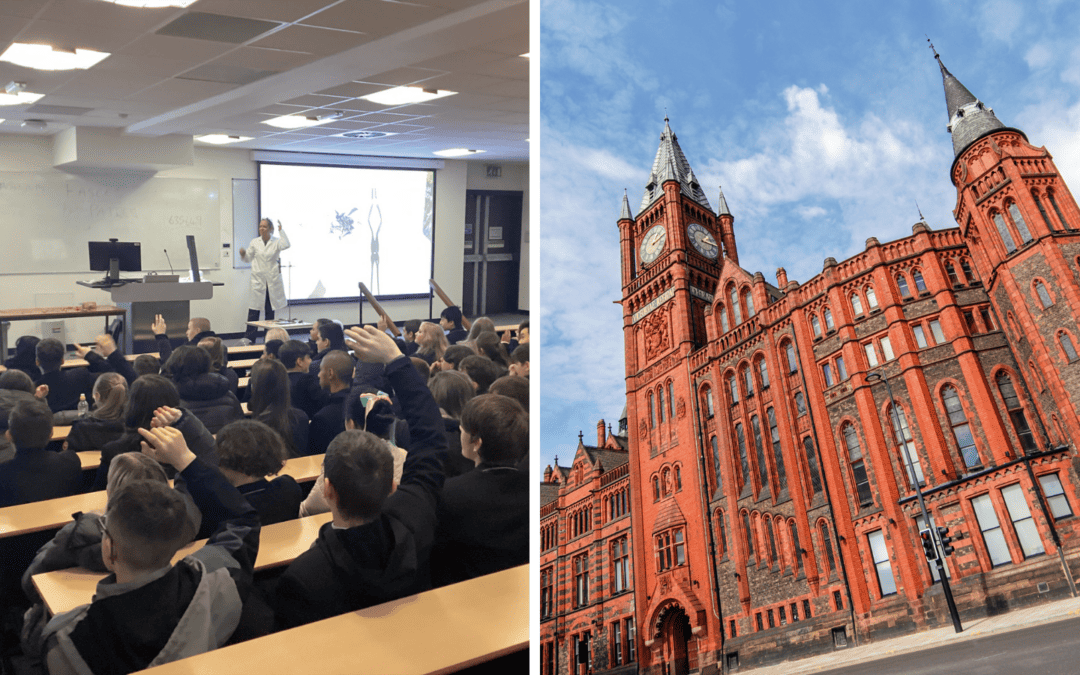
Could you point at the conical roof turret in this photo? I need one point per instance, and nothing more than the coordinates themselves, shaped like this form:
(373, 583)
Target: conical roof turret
(969, 119)
(671, 164)
(722, 207)
(625, 213)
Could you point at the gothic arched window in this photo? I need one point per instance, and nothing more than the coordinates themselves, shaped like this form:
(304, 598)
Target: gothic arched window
(1018, 221)
(1042, 211)
(871, 298)
(1067, 346)
(1003, 232)
(736, 313)
(920, 285)
(901, 283)
(969, 275)
(965, 441)
(904, 440)
(660, 408)
(748, 296)
(858, 468)
(827, 315)
(1016, 412)
(778, 455)
(856, 304)
(1043, 294)
(671, 400)
(763, 369)
(1057, 210)
(815, 325)
(951, 272)
(723, 320)
(652, 411)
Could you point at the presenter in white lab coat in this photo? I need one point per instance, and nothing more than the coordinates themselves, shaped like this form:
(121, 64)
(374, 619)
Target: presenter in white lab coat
(267, 289)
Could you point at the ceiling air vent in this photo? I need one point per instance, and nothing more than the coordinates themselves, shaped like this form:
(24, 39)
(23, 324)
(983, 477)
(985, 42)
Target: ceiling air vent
(366, 135)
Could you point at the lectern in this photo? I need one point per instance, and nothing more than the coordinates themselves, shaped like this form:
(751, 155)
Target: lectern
(170, 299)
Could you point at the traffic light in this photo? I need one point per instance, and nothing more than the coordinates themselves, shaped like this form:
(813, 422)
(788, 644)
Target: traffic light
(946, 540)
(928, 544)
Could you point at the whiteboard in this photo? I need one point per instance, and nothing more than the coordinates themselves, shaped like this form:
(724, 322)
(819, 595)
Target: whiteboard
(245, 217)
(48, 218)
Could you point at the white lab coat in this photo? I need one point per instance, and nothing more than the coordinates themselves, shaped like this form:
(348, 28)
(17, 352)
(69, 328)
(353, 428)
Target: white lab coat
(265, 274)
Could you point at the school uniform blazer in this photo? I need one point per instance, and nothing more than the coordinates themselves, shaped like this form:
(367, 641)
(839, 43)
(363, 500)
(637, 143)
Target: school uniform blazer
(36, 474)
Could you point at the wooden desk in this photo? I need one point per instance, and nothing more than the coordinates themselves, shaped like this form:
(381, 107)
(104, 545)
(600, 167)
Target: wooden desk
(52, 514)
(246, 349)
(82, 363)
(439, 631)
(242, 383)
(243, 364)
(282, 323)
(279, 544)
(60, 433)
(91, 459)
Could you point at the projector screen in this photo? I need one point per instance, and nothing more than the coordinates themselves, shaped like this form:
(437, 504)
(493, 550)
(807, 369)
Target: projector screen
(347, 225)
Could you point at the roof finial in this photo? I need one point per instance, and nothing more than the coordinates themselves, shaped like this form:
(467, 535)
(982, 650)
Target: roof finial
(936, 55)
(581, 437)
(921, 217)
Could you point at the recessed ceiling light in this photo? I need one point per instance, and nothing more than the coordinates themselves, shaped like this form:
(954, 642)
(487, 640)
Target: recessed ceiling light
(34, 124)
(299, 121)
(457, 152)
(222, 139)
(45, 57)
(13, 94)
(152, 4)
(406, 95)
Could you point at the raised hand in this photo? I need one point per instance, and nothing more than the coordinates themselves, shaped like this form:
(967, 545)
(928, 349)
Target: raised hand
(166, 445)
(165, 417)
(159, 326)
(371, 345)
(82, 351)
(243, 252)
(41, 392)
(106, 344)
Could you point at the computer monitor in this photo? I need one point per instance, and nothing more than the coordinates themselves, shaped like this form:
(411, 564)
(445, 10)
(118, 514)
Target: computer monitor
(115, 256)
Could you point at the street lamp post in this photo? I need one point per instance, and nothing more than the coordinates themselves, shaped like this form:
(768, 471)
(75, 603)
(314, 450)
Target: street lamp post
(879, 375)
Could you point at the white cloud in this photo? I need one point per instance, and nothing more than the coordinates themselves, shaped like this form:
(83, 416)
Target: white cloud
(1039, 56)
(1000, 19)
(810, 212)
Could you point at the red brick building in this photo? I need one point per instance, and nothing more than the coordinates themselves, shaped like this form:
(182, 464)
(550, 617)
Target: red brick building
(773, 511)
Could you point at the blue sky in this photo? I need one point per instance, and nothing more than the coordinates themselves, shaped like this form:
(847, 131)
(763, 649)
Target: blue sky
(823, 122)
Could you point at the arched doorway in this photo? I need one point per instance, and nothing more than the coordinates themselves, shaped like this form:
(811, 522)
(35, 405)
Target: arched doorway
(674, 634)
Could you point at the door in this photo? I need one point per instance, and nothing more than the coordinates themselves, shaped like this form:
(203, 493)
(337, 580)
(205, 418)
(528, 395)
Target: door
(492, 252)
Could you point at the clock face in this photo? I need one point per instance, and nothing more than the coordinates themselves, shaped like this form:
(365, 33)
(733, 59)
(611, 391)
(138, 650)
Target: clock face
(653, 244)
(702, 240)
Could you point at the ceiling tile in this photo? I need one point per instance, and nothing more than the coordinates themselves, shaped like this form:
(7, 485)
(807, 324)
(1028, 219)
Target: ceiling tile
(374, 17)
(216, 72)
(107, 84)
(86, 13)
(277, 60)
(403, 76)
(176, 48)
(321, 41)
(315, 100)
(141, 65)
(511, 88)
(271, 10)
(352, 90)
(75, 35)
(177, 93)
(514, 67)
(216, 27)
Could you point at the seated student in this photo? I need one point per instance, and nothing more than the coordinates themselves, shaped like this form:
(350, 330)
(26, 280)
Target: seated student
(376, 549)
(15, 386)
(154, 400)
(206, 394)
(313, 335)
(452, 357)
(304, 387)
(331, 339)
(480, 370)
(450, 321)
(513, 386)
(522, 337)
(271, 404)
(106, 358)
(271, 349)
(484, 514)
(25, 356)
(279, 334)
(147, 364)
(487, 344)
(35, 473)
(374, 414)
(408, 336)
(248, 452)
(149, 611)
(65, 386)
(219, 361)
(431, 343)
(480, 325)
(519, 361)
(197, 329)
(105, 422)
(335, 376)
(422, 367)
(452, 390)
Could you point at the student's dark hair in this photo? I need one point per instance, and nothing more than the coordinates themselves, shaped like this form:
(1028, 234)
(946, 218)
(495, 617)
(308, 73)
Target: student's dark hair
(200, 324)
(489, 345)
(30, 424)
(334, 334)
(501, 424)
(521, 354)
(292, 351)
(16, 380)
(129, 466)
(453, 315)
(422, 367)
(411, 326)
(148, 523)
(481, 325)
(50, 354)
(271, 399)
(147, 394)
(111, 390)
(514, 386)
(451, 390)
(273, 348)
(378, 422)
(251, 448)
(323, 322)
(454, 354)
(480, 370)
(25, 352)
(361, 469)
(147, 364)
(219, 356)
(341, 363)
(524, 325)
(186, 363)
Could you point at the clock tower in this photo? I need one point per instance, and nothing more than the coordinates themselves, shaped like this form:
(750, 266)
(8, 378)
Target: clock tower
(673, 252)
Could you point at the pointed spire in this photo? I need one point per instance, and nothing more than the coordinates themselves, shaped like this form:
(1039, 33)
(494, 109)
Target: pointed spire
(671, 164)
(969, 119)
(625, 213)
(722, 207)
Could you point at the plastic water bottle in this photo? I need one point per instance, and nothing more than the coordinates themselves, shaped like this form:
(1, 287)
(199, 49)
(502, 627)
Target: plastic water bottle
(84, 407)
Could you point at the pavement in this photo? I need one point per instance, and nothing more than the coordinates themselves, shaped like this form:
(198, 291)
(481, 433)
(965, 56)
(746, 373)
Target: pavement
(1025, 617)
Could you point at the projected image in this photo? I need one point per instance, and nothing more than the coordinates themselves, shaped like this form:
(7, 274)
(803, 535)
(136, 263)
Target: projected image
(348, 225)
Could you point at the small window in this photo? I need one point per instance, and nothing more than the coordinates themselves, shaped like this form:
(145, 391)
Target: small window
(1055, 496)
(1067, 346)
(969, 275)
(826, 370)
(749, 303)
(723, 320)
(969, 320)
(939, 335)
(920, 336)
(1003, 232)
(660, 395)
(1044, 295)
(733, 389)
(748, 377)
(763, 369)
(871, 354)
(988, 320)
(793, 363)
(815, 325)
(1042, 211)
(1018, 220)
(841, 371)
(800, 403)
(920, 285)
(709, 403)
(1026, 531)
(871, 298)
(736, 313)
(901, 283)
(951, 272)
(1057, 210)
(886, 348)
(856, 304)
(886, 582)
(829, 326)
(652, 411)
